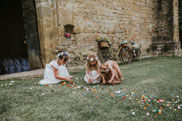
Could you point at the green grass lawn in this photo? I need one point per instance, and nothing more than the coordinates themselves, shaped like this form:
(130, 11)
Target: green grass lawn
(154, 79)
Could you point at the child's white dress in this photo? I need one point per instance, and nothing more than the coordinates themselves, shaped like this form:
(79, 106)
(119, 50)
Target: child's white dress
(92, 75)
(49, 77)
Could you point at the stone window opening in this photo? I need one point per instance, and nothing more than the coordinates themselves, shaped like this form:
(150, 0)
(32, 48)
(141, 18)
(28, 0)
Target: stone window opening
(68, 30)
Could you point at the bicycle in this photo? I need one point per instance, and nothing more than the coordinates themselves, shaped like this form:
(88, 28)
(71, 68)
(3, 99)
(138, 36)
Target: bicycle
(104, 49)
(126, 54)
(136, 51)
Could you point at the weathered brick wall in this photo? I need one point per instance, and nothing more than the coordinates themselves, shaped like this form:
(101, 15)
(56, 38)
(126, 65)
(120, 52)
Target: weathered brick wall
(180, 20)
(163, 31)
(166, 32)
(144, 21)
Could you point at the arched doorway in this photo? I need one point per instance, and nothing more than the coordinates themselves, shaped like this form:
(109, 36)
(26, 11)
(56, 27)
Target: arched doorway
(19, 45)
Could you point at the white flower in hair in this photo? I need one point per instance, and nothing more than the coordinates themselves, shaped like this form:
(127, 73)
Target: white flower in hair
(60, 54)
(91, 59)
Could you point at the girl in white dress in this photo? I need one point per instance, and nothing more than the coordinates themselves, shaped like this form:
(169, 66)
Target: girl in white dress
(92, 75)
(56, 70)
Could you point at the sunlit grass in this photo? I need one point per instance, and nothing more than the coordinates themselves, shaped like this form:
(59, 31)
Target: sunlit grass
(155, 78)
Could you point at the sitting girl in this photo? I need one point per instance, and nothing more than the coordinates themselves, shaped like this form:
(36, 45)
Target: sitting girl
(56, 70)
(92, 70)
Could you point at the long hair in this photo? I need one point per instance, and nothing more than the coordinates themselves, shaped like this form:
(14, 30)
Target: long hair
(95, 58)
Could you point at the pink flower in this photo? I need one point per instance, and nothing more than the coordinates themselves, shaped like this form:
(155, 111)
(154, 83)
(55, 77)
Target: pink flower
(67, 34)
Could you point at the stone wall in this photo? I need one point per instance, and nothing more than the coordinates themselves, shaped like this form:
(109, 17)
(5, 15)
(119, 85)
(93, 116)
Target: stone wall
(166, 33)
(143, 21)
(163, 31)
(180, 20)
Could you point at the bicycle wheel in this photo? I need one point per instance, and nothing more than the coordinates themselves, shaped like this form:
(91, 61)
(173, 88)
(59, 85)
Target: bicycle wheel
(104, 54)
(125, 56)
(100, 57)
(138, 54)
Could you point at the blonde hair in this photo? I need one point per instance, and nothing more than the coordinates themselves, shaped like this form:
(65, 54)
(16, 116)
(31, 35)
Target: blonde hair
(94, 56)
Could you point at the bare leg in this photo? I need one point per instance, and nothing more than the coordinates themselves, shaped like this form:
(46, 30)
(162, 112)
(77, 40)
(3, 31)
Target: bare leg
(116, 74)
(117, 79)
(116, 82)
(116, 66)
(103, 79)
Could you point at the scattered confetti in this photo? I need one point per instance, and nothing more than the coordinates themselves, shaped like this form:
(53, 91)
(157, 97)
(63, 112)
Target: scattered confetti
(68, 85)
(133, 113)
(63, 83)
(179, 107)
(117, 92)
(160, 112)
(147, 114)
(148, 102)
(112, 94)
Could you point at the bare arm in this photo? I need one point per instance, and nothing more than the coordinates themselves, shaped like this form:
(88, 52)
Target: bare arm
(59, 77)
(113, 74)
(87, 75)
(98, 75)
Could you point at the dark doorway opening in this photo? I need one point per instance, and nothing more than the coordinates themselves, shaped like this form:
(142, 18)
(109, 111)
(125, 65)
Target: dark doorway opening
(12, 43)
(180, 21)
(16, 42)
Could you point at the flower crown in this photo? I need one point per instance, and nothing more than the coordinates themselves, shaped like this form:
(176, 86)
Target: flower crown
(62, 54)
(92, 58)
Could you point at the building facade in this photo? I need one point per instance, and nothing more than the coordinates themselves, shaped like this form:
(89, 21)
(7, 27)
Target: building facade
(153, 24)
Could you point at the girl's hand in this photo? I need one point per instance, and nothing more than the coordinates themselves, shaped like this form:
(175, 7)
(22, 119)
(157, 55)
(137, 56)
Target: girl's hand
(103, 82)
(70, 79)
(110, 81)
(90, 80)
